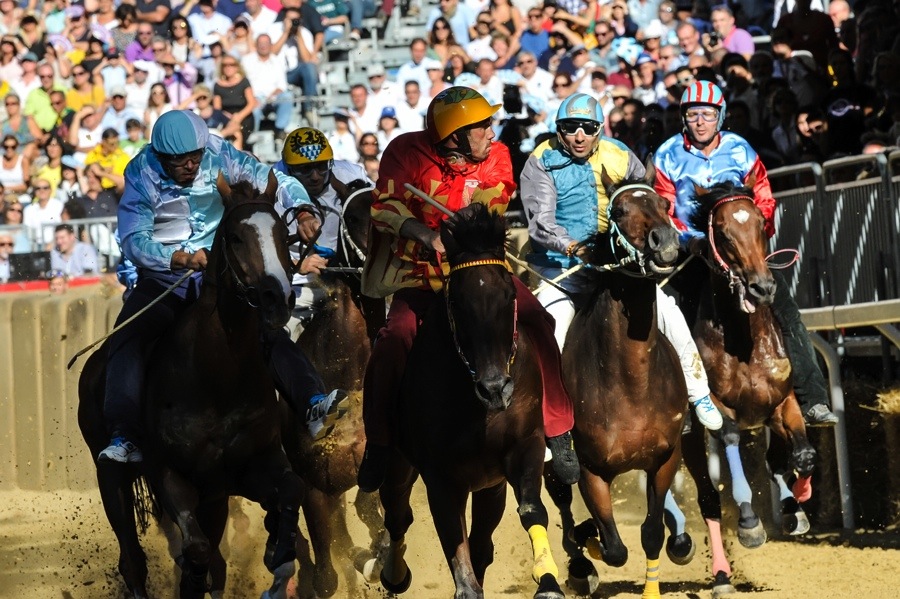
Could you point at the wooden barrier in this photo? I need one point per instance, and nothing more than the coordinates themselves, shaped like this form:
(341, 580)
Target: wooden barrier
(39, 436)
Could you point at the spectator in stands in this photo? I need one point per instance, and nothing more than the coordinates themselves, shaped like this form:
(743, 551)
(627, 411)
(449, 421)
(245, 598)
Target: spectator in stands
(414, 69)
(454, 68)
(667, 17)
(201, 104)
(727, 35)
(342, 141)
(443, 41)
(10, 68)
(297, 40)
(118, 113)
(739, 85)
(799, 69)
(97, 201)
(126, 31)
(335, 16)
(12, 216)
(27, 80)
(72, 257)
(158, 103)
(268, 80)
(839, 11)
(142, 46)
(93, 57)
(37, 103)
(43, 211)
(83, 91)
(14, 166)
(381, 91)
(77, 31)
(738, 120)
(689, 40)
(562, 89)
(209, 66)
(648, 88)
(534, 38)
(489, 84)
(208, 24)
(104, 15)
(411, 110)
(179, 79)
(57, 283)
(480, 44)
(459, 16)
(154, 12)
(368, 147)
(239, 42)
(805, 28)
(603, 55)
(579, 66)
(359, 10)
(51, 159)
(184, 47)
(233, 95)
(506, 18)
(112, 71)
(505, 49)
(6, 248)
(85, 132)
(259, 17)
(790, 127)
(137, 91)
(69, 186)
(22, 127)
(363, 117)
(388, 126)
(620, 20)
(110, 161)
(538, 82)
(371, 165)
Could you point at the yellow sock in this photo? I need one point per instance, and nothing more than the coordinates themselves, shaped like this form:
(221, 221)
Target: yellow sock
(543, 558)
(651, 584)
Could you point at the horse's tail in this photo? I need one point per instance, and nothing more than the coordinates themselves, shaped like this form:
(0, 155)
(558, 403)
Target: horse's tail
(146, 505)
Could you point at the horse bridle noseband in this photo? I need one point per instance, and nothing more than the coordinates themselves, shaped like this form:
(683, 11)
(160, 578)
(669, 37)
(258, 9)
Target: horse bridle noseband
(462, 356)
(617, 237)
(346, 239)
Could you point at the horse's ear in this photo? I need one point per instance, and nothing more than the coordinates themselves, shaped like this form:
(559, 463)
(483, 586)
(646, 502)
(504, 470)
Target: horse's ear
(700, 191)
(751, 181)
(604, 178)
(271, 186)
(224, 189)
(650, 177)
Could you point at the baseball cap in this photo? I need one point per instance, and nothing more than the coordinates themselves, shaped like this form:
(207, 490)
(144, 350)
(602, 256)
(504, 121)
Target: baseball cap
(113, 53)
(388, 112)
(75, 11)
(142, 65)
(644, 58)
(654, 29)
(29, 56)
(118, 90)
(432, 64)
(376, 70)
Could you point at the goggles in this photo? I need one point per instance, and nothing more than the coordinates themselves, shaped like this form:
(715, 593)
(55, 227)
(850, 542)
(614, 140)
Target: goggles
(181, 160)
(709, 115)
(589, 128)
(305, 170)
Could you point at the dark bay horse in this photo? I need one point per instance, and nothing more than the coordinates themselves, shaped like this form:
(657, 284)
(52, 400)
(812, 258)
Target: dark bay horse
(338, 344)
(469, 417)
(212, 422)
(749, 373)
(626, 385)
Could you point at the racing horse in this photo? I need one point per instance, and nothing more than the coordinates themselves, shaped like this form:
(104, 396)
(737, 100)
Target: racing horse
(337, 342)
(211, 417)
(749, 373)
(626, 385)
(469, 417)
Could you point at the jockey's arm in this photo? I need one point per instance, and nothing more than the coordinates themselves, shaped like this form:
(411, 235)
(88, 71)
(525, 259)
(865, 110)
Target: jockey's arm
(665, 187)
(539, 200)
(136, 226)
(762, 193)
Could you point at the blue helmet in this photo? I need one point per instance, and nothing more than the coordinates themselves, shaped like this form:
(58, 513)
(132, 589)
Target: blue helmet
(580, 107)
(179, 132)
(704, 93)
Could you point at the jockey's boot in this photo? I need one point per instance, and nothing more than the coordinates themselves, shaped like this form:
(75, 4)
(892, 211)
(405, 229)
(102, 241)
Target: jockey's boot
(707, 413)
(565, 460)
(373, 469)
(323, 412)
(122, 451)
(820, 415)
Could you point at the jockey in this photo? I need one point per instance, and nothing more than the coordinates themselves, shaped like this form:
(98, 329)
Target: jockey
(704, 155)
(168, 217)
(566, 203)
(307, 156)
(455, 161)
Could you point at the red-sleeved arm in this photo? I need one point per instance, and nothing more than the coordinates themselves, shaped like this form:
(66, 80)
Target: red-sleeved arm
(666, 188)
(762, 191)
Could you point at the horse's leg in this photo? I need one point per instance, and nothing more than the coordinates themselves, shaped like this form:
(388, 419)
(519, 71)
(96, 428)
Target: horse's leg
(213, 517)
(787, 422)
(115, 482)
(693, 450)
(793, 518)
(342, 544)
(751, 532)
(583, 577)
(180, 499)
(680, 546)
(609, 548)
(318, 508)
(653, 530)
(448, 511)
(368, 509)
(398, 517)
(306, 569)
(487, 511)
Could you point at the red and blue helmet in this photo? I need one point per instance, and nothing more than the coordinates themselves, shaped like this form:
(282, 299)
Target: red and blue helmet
(704, 93)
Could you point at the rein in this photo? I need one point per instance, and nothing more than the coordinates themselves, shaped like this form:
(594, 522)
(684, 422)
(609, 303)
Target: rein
(462, 356)
(617, 238)
(248, 293)
(346, 240)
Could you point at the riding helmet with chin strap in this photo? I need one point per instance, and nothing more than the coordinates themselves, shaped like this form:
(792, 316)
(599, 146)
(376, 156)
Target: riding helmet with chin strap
(454, 109)
(179, 132)
(306, 145)
(703, 93)
(580, 107)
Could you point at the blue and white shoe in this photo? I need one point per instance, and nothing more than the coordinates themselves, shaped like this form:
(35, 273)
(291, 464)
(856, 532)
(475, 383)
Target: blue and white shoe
(323, 412)
(122, 451)
(707, 413)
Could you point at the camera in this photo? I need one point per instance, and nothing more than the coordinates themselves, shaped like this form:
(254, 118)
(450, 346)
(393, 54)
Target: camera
(295, 23)
(713, 39)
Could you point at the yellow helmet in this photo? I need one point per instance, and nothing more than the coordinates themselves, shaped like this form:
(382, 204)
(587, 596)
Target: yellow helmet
(455, 108)
(305, 146)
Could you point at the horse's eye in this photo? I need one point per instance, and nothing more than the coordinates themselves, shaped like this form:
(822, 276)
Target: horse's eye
(617, 213)
(234, 239)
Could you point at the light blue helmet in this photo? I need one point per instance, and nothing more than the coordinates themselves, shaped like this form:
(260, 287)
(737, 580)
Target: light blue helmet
(580, 107)
(704, 93)
(179, 132)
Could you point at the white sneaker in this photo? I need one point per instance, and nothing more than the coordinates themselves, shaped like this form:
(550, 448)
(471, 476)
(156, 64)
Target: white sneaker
(708, 414)
(121, 451)
(323, 412)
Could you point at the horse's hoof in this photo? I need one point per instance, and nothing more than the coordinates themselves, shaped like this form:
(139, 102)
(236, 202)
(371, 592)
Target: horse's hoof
(397, 589)
(753, 537)
(681, 549)
(583, 578)
(722, 586)
(548, 588)
(795, 523)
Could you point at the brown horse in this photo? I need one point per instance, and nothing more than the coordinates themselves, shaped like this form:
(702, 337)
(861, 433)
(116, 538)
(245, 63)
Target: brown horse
(749, 372)
(626, 385)
(470, 417)
(211, 417)
(338, 344)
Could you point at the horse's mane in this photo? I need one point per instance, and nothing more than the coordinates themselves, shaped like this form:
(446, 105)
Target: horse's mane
(630, 181)
(704, 203)
(477, 230)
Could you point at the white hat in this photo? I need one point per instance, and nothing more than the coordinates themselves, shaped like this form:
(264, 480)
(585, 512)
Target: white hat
(375, 70)
(432, 64)
(654, 29)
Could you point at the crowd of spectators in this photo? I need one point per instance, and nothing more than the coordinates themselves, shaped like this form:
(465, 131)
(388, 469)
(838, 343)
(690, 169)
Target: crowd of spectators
(84, 81)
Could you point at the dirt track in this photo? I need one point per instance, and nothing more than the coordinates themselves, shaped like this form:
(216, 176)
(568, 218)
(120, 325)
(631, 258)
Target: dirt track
(60, 545)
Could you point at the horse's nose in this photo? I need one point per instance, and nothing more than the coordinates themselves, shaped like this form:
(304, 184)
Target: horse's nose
(763, 289)
(495, 392)
(663, 242)
(275, 307)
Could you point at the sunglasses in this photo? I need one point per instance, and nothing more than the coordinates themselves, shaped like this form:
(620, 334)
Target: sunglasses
(9, 147)
(46, 76)
(41, 187)
(368, 143)
(229, 64)
(559, 84)
(77, 73)
(203, 97)
(589, 128)
(181, 160)
(6, 244)
(709, 115)
(11, 103)
(439, 27)
(318, 168)
(14, 210)
(521, 62)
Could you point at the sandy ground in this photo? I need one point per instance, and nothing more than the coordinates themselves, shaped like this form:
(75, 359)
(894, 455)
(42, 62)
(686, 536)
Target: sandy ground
(56, 545)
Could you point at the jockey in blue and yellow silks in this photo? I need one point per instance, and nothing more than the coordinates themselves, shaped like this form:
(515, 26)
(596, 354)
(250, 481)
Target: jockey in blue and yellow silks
(566, 203)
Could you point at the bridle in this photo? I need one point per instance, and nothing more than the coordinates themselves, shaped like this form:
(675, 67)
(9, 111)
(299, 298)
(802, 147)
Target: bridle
(248, 293)
(462, 356)
(347, 242)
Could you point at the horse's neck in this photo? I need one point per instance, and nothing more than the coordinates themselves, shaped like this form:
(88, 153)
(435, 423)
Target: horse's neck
(221, 301)
(743, 333)
(623, 313)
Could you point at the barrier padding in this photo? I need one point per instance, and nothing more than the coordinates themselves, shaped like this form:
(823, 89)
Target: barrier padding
(39, 437)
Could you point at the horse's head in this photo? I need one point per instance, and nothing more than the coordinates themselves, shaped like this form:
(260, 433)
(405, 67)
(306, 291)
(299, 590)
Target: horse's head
(355, 217)
(735, 232)
(481, 301)
(639, 224)
(251, 254)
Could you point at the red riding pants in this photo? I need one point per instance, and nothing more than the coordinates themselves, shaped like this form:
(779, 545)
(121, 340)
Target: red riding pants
(384, 372)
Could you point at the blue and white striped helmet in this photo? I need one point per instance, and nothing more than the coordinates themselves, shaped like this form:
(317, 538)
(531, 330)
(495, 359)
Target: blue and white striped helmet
(179, 132)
